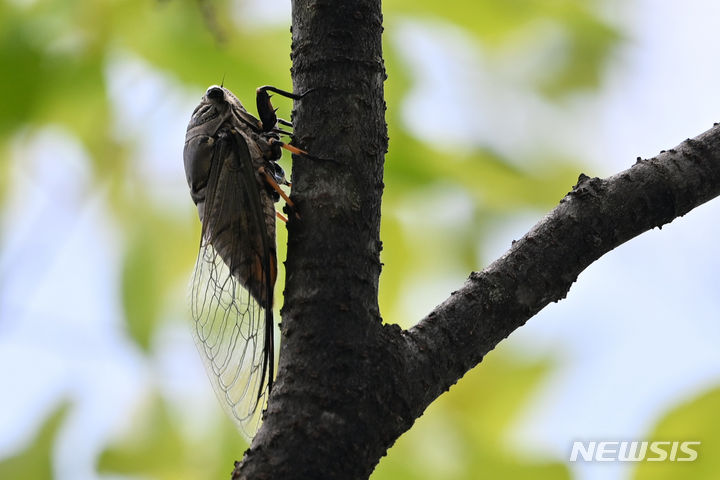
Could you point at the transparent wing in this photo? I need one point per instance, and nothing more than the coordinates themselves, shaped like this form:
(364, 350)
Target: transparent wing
(232, 286)
(229, 331)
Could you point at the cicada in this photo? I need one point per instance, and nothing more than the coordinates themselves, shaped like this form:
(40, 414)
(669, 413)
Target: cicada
(231, 167)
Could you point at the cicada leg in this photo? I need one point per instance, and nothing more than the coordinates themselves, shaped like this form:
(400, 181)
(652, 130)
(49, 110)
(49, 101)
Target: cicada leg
(265, 108)
(289, 148)
(271, 181)
(293, 149)
(282, 132)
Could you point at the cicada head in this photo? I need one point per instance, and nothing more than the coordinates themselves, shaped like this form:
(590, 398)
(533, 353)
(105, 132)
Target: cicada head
(221, 97)
(214, 109)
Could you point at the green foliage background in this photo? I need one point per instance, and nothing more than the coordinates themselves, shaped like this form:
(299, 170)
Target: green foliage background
(55, 56)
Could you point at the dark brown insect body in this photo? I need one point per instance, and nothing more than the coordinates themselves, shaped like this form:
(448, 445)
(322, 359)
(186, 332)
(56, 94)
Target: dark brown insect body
(230, 166)
(225, 150)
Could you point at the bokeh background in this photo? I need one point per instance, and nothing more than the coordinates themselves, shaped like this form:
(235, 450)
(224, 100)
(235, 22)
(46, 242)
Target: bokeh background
(494, 108)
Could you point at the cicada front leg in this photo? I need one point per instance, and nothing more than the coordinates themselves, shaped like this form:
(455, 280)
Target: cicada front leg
(266, 111)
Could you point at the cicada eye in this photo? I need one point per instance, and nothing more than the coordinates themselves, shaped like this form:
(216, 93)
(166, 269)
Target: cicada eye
(215, 93)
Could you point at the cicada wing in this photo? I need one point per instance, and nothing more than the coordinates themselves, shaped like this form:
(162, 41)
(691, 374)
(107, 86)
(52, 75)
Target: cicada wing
(232, 285)
(229, 331)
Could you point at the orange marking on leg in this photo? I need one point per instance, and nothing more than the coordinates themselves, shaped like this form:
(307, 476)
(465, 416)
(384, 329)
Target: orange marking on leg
(293, 149)
(277, 188)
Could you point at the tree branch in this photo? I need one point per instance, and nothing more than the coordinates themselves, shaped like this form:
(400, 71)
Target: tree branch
(347, 385)
(592, 219)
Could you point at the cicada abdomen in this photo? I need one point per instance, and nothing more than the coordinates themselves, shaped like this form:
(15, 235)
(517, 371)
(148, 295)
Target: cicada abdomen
(227, 157)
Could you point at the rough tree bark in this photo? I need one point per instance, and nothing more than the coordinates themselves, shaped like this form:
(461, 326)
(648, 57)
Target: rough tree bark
(348, 386)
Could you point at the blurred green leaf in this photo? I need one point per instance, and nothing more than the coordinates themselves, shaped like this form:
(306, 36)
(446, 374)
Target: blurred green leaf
(156, 447)
(579, 60)
(155, 263)
(589, 45)
(491, 180)
(142, 289)
(36, 460)
(199, 42)
(459, 436)
(697, 420)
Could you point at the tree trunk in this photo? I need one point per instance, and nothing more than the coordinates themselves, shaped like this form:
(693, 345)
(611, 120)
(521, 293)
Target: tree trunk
(334, 365)
(348, 386)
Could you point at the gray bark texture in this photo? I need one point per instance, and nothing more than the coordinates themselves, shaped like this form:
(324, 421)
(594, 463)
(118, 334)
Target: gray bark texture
(348, 385)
